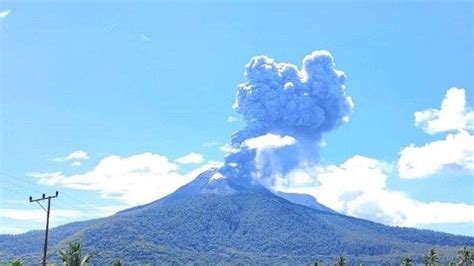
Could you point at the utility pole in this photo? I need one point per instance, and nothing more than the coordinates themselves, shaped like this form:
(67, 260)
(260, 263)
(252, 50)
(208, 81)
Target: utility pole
(45, 248)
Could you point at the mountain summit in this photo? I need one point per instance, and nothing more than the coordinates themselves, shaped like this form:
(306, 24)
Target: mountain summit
(215, 219)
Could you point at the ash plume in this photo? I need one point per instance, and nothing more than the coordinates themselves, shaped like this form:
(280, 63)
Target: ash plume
(278, 101)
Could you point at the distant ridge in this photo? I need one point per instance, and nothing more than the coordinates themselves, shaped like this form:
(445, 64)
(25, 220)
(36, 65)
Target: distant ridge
(305, 200)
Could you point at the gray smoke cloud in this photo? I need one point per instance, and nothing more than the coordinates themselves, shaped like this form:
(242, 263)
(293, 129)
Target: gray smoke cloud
(278, 99)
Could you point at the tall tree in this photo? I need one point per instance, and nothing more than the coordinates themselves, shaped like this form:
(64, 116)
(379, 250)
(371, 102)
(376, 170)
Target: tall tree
(341, 261)
(73, 255)
(452, 263)
(118, 262)
(432, 258)
(465, 256)
(406, 261)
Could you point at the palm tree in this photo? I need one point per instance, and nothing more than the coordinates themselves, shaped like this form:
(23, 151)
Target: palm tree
(465, 257)
(17, 262)
(406, 261)
(118, 262)
(73, 255)
(432, 258)
(341, 261)
(452, 263)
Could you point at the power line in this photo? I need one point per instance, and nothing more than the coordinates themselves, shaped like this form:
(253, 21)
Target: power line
(63, 200)
(35, 185)
(69, 205)
(12, 190)
(37, 191)
(8, 182)
(82, 202)
(18, 178)
(72, 203)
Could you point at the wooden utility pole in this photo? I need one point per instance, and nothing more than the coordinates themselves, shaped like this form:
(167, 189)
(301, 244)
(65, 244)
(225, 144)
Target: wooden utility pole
(47, 210)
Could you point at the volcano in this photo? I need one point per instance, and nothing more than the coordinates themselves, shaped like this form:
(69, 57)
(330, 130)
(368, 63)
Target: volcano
(215, 219)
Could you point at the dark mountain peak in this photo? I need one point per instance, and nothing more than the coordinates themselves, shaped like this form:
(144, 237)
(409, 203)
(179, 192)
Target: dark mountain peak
(209, 182)
(214, 181)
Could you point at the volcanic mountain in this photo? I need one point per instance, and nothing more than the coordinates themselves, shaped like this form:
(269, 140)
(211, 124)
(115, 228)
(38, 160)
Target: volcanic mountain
(215, 219)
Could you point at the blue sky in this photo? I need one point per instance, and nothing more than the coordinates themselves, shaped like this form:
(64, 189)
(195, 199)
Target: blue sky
(122, 79)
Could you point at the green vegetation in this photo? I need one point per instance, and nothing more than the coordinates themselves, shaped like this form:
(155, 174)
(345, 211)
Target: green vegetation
(452, 263)
(16, 262)
(432, 258)
(406, 261)
(466, 256)
(341, 261)
(73, 255)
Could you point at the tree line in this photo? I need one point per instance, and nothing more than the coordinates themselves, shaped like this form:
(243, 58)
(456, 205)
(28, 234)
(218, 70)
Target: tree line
(73, 255)
(432, 258)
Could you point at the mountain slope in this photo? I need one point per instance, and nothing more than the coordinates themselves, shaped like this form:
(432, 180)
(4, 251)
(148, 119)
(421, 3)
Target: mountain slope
(214, 220)
(305, 200)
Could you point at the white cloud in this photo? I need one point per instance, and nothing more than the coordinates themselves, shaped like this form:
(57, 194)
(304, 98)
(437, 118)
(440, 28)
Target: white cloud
(38, 215)
(210, 144)
(33, 219)
(135, 180)
(358, 188)
(74, 156)
(77, 155)
(453, 154)
(76, 164)
(228, 149)
(49, 179)
(190, 158)
(453, 115)
(232, 119)
(4, 13)
(268, 141)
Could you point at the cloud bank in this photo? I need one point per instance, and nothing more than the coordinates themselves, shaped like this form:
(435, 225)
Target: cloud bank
(191, 158)
(33, 218)
(38, 215)
(454, 115)
(137, 179)
(452, 155)
(358, 187)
